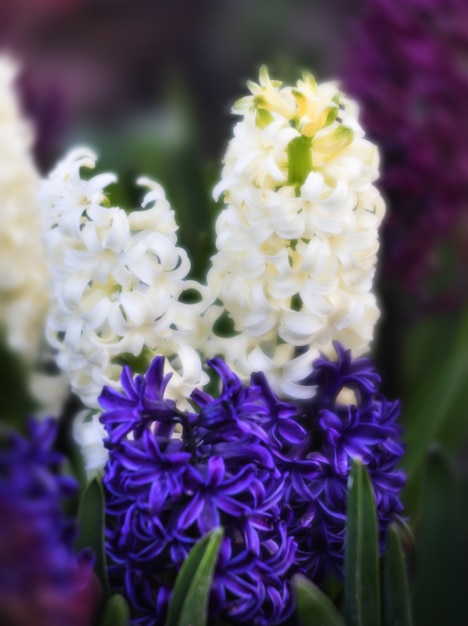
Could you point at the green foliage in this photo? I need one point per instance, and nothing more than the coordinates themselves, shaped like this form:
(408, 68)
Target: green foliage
(433, 412)
(91, 524)
(115, 612)
(313, 607)
(362, 586)
(189, 602)
(397, 607)
(441, 576)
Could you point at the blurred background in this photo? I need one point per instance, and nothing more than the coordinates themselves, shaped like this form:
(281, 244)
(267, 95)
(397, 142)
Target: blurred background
(149, 85)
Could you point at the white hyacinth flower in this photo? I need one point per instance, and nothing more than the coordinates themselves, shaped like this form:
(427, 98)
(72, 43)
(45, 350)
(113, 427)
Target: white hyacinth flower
(119, 282)
(298, 238)
(24, 277)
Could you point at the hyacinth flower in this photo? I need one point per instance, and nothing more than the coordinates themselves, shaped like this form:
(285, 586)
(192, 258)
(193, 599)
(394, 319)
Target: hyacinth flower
(24, 279)
(267, 457)
(118, 280)
(272, 473)
(297, 245)
(42, 580)
(407, 68)
(24, 275)
(298, 238)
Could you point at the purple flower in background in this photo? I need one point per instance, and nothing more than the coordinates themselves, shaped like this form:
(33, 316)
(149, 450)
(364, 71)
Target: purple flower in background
(272, 473)
(42, 580)
(407, 68)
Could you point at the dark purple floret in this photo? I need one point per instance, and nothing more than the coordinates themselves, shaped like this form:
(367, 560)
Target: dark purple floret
(407, 69)
(272, 473)
(348, 418)
(42, 580)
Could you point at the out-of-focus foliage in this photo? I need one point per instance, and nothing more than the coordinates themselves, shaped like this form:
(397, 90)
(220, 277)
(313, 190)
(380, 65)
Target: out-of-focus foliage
(440, 579)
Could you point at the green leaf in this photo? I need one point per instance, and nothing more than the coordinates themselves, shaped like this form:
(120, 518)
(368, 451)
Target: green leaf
(91, 522)
(362, 587)
(441, 576)
(406, 537)
(397, 607)
(433, 409)
(189, 602)
(313, 607)
(116, 612)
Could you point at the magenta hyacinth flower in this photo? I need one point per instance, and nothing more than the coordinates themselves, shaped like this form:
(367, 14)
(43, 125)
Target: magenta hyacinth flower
(407, 69)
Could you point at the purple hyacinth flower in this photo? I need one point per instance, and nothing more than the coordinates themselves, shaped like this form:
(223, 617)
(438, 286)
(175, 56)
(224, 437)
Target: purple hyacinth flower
(363, 427)
(179, 475)
(272, 473)
(42, 580)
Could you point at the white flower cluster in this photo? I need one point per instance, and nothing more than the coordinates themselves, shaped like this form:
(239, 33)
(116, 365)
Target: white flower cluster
(298, 238)
(297, 248)
(24, 278)
(118, 284)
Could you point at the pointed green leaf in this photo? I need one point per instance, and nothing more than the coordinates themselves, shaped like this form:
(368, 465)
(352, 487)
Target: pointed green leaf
(362, 587)
(441, 578)
(313, 607)
(433, 409)
(406, 538)
(116, 612)
(189, 602)
(397, 607)
(91, 522)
